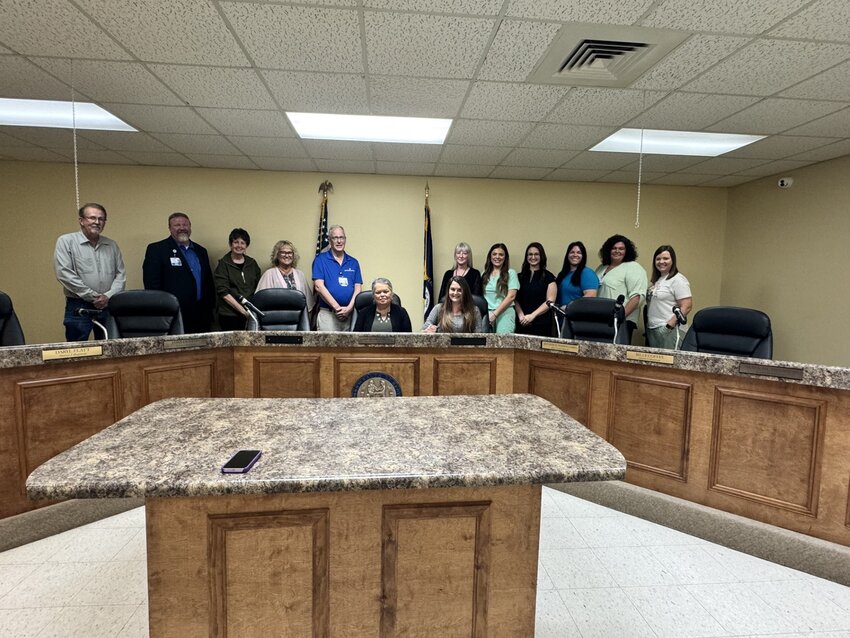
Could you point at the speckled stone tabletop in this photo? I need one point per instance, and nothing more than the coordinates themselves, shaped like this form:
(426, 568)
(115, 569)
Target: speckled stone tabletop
(176, 447)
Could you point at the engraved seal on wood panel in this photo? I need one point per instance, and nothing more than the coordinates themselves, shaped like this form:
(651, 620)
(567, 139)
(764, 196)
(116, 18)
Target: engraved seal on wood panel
(376, 384)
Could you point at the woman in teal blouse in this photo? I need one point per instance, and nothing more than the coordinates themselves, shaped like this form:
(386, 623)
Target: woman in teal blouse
(500, 287)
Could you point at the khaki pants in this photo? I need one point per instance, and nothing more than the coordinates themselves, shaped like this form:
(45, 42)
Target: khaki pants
(327, 322)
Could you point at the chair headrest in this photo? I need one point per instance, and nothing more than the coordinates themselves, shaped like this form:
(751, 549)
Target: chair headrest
(5, 306)
(732, 331)
(144, 303)
(279, 299)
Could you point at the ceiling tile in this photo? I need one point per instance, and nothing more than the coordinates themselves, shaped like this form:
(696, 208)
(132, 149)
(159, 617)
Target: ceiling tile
(425, 45)
(822, 20)
(537, 157)
(664, 163)
(54, 138)
(106, 81)
(614, 107)
(729, 181)
(832, 84)
(20, 78)
(102, 157)
(318, 92)
(772, 168)
(463, 170)
(420, 153)
(124, 141)
(345, 166)
(691, 111)
(419, 97)
(833, 125)
(457, 154)
(521, 102)
(216, 86)
(298, 38)
(199, 144)
(828, 152)
(161, 119)
(768, 66)
(519, 172)
(471, 7)
(575, 175)
(721, 15)
(488, 132)
(780, 146)
(269, 146)
(611, 11)
(284, 164)
(774, 115)
(243, 122)
(7, 140)
(692, 57)
(159, 159)
(406, 168)
(223, 161)
(724, 165)
(566, 136)
(594, 160)
(629, 177)
(517, 49)
(683, 179)
(54, 28)
(31, 154)
(181, 31)
(329, 149)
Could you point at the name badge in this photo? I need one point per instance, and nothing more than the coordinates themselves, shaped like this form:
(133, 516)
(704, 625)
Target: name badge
(175, 261)
(343, 281)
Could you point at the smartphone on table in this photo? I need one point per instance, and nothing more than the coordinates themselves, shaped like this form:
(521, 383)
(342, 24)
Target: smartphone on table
(241, 462)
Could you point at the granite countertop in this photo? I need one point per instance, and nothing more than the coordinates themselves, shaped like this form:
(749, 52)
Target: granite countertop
(783, 371)
(176, 447)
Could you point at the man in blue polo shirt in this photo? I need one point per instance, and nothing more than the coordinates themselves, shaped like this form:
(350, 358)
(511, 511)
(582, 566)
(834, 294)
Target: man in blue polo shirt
(337, 278)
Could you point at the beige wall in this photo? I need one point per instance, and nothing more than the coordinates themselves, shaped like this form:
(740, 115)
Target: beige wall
(786, 254)
(383, 216)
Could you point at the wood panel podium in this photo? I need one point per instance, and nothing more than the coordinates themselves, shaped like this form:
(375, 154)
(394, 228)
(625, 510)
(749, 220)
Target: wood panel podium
(403, 516)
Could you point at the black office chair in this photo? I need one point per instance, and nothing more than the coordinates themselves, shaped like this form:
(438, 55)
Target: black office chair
(592, 319)
(741, 332)
(364, 300)
(11, 333)
(143, 313)
(284, 309)
(481, 303)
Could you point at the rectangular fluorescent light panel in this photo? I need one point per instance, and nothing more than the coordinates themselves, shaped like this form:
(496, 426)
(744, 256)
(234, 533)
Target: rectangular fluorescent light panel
(370, 128)
(655, 142)
(59, 114)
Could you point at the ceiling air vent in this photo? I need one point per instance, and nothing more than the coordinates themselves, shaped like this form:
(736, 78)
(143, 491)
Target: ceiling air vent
(603, 55)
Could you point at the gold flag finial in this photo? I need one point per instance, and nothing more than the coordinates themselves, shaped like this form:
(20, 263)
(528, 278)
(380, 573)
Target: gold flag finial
(427, 192)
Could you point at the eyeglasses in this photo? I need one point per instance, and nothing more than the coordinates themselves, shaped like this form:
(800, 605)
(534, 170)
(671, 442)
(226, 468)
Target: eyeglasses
(94, 219)
(338, 238)
(285, 253)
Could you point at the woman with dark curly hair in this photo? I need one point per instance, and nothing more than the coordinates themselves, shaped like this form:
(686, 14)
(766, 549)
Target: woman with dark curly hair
(620, 274)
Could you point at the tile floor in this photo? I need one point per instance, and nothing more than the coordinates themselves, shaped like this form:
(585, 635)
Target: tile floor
(602, 574)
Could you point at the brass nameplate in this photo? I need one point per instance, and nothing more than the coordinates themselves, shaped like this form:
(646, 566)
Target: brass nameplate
(572, 348)
(72, 353)
(651, 357)
(376, 340)
(771, 371)
(185, 343)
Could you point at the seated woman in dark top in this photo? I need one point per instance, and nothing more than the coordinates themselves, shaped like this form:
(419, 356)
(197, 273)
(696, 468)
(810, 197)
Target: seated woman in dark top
(383, 316)
(462, 268)
(536, 287)
(457, 312)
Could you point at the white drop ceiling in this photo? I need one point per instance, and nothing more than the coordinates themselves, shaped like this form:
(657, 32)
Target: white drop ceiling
(207, 83)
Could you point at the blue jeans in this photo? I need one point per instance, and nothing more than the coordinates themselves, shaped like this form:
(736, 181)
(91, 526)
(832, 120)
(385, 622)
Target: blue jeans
(79, 328)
